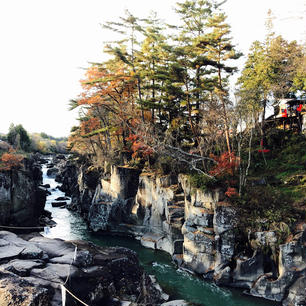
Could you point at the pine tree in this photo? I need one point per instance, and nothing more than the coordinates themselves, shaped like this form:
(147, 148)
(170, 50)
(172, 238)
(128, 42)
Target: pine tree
(221, 51)
(192, 68)
(151, 62)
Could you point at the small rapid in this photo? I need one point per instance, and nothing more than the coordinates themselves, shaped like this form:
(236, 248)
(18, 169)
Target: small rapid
(69, 225)
(178, 283)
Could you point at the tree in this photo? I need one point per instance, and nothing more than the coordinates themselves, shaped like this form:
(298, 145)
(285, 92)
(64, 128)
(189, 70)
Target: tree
(108, 112)
(203, 54)
(18, 137)
(299, 79)
(160, 92)
(125, 50)
(10, 160)
(255, 80)
(273, 71)
(221, 50)
(192, 67)
(286, 58)
(151, 63)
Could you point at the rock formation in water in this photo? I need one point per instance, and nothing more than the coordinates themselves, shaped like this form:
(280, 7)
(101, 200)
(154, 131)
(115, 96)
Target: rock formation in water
(33, 269)
(199, 229)
(22, 199)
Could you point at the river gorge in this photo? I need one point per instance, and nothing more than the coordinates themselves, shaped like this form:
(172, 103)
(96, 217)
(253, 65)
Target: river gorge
(120, 236)
(176, 282)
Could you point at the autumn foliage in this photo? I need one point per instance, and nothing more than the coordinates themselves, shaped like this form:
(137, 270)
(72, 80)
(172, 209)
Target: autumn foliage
(231, 192)
(110, 117)
(10, 160)
(227, 165)
(138, 147)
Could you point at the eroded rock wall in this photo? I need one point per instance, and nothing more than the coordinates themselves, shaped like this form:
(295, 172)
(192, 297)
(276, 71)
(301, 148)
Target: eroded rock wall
(113, 200)
(160, 206)
(22, 200)
(209, 238)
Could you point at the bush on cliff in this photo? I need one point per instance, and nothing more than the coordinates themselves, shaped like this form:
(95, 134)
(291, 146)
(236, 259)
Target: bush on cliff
(10, 160)
(203, 182)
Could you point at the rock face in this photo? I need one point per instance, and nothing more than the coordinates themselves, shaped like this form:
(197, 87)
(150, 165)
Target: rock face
(296, 295)
(32, 272)
(79, 183)
(209, 239)
(292, 272)
(113, 199)
(22, 200)
(160, 207)
(304, 124)
(199, 229)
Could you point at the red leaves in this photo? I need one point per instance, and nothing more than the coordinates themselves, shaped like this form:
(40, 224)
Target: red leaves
(231, 192)
(263, 151)
(10, 160)
(139, 148)
(227, 165)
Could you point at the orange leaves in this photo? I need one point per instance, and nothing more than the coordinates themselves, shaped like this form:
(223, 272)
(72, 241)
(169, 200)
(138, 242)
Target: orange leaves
(95, 99)
(139, 148)
(231, 192)
(90, 125)
(147, 115)
(108, 110)
(93, 74)
(227, 165)
(10, 160)
(109, 93)
(103, 84)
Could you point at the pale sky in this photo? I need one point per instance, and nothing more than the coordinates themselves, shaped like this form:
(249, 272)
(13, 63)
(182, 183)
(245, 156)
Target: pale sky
(45, 43)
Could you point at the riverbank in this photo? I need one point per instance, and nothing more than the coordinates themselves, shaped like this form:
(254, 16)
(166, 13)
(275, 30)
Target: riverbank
(39, 271)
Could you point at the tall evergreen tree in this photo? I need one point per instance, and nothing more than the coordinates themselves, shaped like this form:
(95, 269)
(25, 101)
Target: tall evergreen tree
(192, 66)
(285, 58)
(299, 79)
(151, 63)
(221, 51)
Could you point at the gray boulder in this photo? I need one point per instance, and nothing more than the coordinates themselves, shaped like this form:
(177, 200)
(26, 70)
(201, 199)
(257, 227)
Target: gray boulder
(14, 290)
(297, 293)
(32, 272)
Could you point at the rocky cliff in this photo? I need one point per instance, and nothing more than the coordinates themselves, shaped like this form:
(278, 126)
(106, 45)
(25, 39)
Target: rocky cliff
(22, 199)
(199, 229)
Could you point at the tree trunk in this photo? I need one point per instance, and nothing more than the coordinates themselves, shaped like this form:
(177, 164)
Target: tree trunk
(226, 127)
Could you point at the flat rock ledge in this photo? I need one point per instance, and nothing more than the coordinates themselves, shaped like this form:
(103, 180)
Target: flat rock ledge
(32, 271)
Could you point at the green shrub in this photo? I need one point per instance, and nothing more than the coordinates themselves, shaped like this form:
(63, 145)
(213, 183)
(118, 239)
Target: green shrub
(261, 207)
(202, 181)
